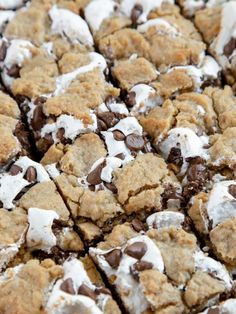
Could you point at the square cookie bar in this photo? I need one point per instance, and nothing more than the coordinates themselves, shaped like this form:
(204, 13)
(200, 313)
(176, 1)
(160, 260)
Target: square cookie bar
(44, 287)
(33, 216)
(161, 270)
(217, 25)
(110, 176)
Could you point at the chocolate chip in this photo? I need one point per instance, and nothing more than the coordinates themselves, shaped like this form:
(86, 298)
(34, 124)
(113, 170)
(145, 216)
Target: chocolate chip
(67, 286)
(38, 119)
(31, 174)
(175, 156)
(137, 225)
(170, 193)
(213, 311)
(60, 134)
(14, 170)
(134, 142)
(136, 250)
(3, 51)
(22, 135)
(138, 267)
(111, 187)
(135, 13)
(130, 99)
(118, 135)
(101, 125)
(197, 172)
(102, 290)
(14, 71)
(40, 100)
(94, 177)
(121, 156)
(108, 118)
(85, 290)
(232, 190)
(113, 258)
(229, 47)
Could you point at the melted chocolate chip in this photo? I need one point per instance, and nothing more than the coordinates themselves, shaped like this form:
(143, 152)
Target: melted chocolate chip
(136, 250)
(135, 13)
(130, 99)
(14, 170)
(118, 135)
(138, 267)
(121, 156)
(113, 258)
(229, 47)
(67, 286)
(134, 142)
(102, 290)
(94, 177)
(40, 100)
(232, 190)
(108, 118)
(3, 51)
(31, 174)
(175, 156)
(197, 172)
(60, 134)
(137, 225)
(85, 290)
(170, 193)
(111, 187)
(38, 119)
(101, 125)
(14, 71)
(109, 100)
(22, 135)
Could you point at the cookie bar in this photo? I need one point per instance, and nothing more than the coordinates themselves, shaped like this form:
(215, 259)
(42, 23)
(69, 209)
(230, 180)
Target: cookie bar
(217, 24)
(73, 287)
(213, 215)
(34, 217)
(105, 177)
(14, 137)
(161, 270)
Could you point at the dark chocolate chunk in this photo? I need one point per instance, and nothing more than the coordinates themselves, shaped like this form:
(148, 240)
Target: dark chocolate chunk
(3, 51)
(102, 290)
(14, 71)
(31, 174)
(135, 13)
(118, 135)
(137, 225)
(14, 170)
(136, 250)
(111, 187)
(121, 156)
(229, 47)
(113, 258)
(175, 156)
(232, 190)
(38, 119)
(130, 99)
(67, 286)
(94, 177)
(108, 118)
(85, 290)
(134, 142)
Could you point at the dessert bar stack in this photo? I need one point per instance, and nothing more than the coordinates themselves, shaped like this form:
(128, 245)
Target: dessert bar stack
(117, 156)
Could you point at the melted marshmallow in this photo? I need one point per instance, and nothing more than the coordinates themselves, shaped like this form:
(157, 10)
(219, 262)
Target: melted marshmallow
(5, 17)
(221, 205)
(209, 265)
(52, 170)
(17, 52)
(146, 98)
(127, 287)
(71, 25)
(63, 81)
(10, 186)
(72, 126)
(147, 6)
(161, 25)
(61, 302)
(11, 4)
(39, 235)
(165, 219)
(97, 11)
